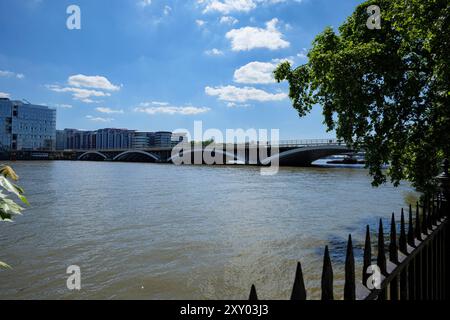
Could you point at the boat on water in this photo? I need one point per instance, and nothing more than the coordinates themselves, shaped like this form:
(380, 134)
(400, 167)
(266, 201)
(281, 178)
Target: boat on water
(347, 159)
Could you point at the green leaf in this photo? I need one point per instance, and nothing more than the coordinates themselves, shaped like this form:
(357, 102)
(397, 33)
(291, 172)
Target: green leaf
(5, 265)
(9, 208)
(24, 200)
(8, 172)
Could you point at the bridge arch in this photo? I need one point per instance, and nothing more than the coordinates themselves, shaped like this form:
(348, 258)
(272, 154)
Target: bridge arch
(136, 155)
(92, 154)
(200, 150)
(305, 156)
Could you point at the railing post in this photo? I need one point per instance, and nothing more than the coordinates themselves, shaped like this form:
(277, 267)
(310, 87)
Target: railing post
(418, 260)
(441, 269)
(424, 216)
(444, 185)
(412, 266)
(350, 286)
(403, 246)
(411, 240)
(430, 251)
(443, 181)
(253, 294)
(367, 257)
(418, 225)
(435, 254)
(393, 257)
(327, 277)
(298, 291)
(402, 241)
(381, 258)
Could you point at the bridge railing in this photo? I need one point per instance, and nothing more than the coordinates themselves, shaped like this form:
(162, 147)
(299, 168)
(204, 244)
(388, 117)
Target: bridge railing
(417, 264)
(281, 143)
(293, 143)
(310, 142)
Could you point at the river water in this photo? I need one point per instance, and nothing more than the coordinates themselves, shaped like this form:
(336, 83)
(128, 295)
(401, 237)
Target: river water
(149, 231)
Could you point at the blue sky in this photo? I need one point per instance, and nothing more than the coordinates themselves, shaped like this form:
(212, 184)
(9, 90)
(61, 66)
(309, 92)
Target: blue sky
(163, 64)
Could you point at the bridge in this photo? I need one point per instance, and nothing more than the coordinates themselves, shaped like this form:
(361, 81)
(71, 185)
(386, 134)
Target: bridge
(300, 153)
(287, 153)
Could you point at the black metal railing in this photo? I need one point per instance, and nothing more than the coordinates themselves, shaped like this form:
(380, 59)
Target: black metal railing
(416, 267)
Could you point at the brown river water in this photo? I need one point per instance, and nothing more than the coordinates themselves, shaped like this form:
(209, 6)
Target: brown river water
(149, 231)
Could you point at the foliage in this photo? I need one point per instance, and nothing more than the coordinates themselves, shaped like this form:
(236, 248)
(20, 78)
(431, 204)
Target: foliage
(385, 90)
(202, 143)
(8, 208)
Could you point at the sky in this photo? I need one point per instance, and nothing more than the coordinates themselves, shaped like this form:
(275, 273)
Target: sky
(155, 65)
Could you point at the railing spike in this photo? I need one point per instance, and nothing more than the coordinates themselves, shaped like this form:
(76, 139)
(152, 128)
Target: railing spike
(430, 215)
(433, 212)
(393, 249)
(327, 277)
(381, 258)
(253, 294)
(299, 291)
(350, 287)
(424, 217)
(410, 228)
(402, 242)
(418, 226)
(438, 207)
(367, 257)
(393, 257)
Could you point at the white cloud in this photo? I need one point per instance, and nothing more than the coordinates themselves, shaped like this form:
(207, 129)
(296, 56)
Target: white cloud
(249, 38)
(228, 20)
(84, 88)
(4, 95)
(84, 95)
(6, 73)
(200, 23)
(167, 10)
(94, 82)
(108, 110)
(156, 103)
(259, 72)
(10, 74)
(153, 108)
(255, 72)
(303, 54)
(98, 119)
(235, 105)
(64, 106)
(227, 6)
(289, 59)
(214, 52)
(144, 3)
(235, 94)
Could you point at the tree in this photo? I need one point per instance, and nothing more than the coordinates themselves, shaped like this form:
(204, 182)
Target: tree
(384, 90)
(8, 208)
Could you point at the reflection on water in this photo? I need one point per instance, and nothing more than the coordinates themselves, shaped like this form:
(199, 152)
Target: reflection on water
(147, 231)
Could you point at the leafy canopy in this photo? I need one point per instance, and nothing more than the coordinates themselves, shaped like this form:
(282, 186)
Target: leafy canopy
(385, 90)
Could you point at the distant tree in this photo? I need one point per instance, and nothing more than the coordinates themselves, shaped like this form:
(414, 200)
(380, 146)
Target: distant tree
(384, 89)
(203, 143)
(8, 208)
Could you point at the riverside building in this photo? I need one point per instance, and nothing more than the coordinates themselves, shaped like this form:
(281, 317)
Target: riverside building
(25, 126)
(114, 139)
